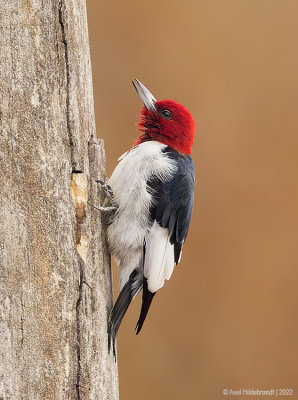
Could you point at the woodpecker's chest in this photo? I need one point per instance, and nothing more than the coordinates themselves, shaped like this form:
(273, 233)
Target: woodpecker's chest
(129, 184)
(135, 168)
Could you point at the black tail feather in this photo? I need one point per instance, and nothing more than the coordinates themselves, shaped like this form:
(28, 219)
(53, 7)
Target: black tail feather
(146, 302)
(177, 251)
(127, 293)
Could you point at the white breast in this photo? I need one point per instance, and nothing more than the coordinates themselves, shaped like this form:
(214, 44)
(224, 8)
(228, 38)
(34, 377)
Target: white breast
(129, 183)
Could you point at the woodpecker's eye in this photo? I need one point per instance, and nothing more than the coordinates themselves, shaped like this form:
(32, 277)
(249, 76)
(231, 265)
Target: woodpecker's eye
(166, 114)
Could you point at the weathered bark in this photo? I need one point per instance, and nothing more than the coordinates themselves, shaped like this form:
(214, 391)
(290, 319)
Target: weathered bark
(55, 278)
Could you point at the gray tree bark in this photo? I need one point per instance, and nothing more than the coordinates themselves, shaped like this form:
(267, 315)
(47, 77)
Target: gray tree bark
(55, 276)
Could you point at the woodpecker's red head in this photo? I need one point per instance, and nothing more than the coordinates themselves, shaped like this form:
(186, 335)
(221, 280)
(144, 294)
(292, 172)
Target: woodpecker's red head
(165, 121)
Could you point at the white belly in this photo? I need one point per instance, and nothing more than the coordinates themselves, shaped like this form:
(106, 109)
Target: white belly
(129, 183)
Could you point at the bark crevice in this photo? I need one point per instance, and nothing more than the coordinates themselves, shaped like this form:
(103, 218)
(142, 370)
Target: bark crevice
(67, 74)
(79, 190)
(78, 328)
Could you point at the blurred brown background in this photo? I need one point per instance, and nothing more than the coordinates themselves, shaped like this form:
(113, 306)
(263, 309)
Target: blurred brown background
(228, 316)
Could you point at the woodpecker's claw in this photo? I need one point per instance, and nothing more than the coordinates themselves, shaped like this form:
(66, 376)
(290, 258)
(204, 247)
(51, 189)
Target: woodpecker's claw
(107, 188)
(109, 205)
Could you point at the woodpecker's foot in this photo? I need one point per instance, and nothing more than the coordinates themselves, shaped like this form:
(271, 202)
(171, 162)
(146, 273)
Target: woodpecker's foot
(109, 193)
(107, 188)
(109, 206)
(107, 209)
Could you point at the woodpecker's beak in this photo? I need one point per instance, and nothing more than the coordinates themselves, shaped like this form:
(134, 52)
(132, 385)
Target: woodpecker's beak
(147, 98)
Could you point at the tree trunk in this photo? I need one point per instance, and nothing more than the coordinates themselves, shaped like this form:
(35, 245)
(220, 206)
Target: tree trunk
(55, 274)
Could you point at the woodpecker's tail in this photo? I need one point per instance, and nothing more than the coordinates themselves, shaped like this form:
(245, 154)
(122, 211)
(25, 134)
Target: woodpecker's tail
(146, 302)
(128, 292)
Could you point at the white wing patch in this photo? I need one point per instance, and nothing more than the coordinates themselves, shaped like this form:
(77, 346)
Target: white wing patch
(159, 257)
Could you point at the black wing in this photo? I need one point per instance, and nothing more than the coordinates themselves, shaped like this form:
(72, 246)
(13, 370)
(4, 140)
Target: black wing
(173, 200)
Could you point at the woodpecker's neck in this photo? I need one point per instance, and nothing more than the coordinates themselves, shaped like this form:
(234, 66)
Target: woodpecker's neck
(145, 137)
(183, 146)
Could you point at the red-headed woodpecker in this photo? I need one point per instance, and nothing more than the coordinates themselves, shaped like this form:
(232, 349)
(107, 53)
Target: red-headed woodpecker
(153, 186)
